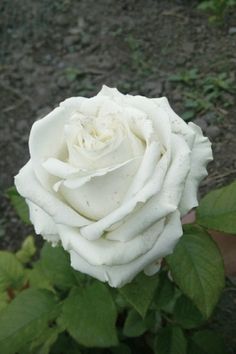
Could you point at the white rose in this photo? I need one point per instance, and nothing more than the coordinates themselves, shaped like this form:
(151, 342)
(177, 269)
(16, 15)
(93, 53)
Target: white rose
(109, 177)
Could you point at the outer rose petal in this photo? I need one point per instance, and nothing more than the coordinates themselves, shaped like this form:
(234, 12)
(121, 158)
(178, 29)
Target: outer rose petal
(30, 188)
(112, 93)
(158, 116)
(201, 155)
(178, 125)
(118, 275)
(43, 223)
(43, 135)
(106, 252)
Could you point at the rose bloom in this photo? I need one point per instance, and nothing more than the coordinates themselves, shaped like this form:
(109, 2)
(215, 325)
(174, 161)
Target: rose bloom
(109, 178)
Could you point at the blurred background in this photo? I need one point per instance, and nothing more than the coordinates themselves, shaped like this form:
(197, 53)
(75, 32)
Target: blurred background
(54, 49)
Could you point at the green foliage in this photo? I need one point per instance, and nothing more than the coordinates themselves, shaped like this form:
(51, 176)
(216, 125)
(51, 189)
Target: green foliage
(43, 343)
(3, 300)
(164, 294)
(11, 272)
(121, 349)
(19, 204)
(59, 273)
(27, 250)
(171, 340)
(72, 73)
(217, 8)
(25, 319)
(218, 83)
(89, 315)
(206, 342)
(186, 77)
(139, 293)
(65, 344)
(63, 309)
(38, 278)
(135, 325)
(217, 210)
(139, 62)
(204, 93)
(187, 314)
(197, 268)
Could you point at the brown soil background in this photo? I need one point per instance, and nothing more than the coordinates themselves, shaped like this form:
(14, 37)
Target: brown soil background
(51, 50)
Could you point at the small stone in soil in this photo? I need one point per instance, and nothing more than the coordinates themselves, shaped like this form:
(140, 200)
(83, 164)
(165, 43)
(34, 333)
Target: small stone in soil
(153, 87)
(62, 82)
(232, 30)
(210, 118)
(213, 131)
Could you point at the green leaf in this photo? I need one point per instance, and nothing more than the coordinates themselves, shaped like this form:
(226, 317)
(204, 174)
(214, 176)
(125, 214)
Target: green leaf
(120, 302)
(170, 340)
(27, 250)
(73, 73)
(175, 78)
(25, 318)
(206, 342)
(89, 315)
(19, 204)
(139, 293)
(187, 314)
(134, 325)
(188, 115)
(3, 301)
(56, 266)
(65, 345)
(197, 268)
(164, 293)
(43, 343)
(217, 210)
(37, 277)
(11, 271)
(205, 5)
(46, 341)
(121, 349)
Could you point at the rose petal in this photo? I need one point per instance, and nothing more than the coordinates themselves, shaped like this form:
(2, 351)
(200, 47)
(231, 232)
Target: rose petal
(153, 268)
(178, 125)
(147, 167)
(163, 203)
(100, 193)
(47, 138)
(43, 223)
(74, 177)
(158, 206)
(105, 252)
(159, 117)
(117, 275)
(59, 168)
(30, 188)
(201, 155)
(95, 230)
(112, 93)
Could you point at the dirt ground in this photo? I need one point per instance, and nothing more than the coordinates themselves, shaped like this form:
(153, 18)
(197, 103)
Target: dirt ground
(51, 50)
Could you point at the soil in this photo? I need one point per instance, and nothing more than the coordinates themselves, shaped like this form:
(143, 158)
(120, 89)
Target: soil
(51, 50)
